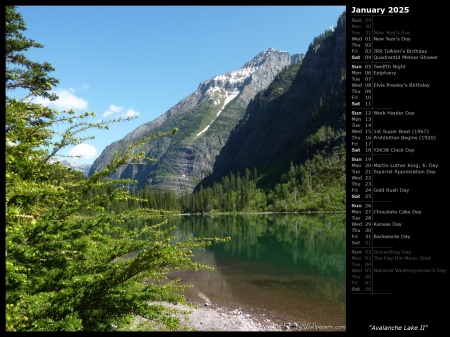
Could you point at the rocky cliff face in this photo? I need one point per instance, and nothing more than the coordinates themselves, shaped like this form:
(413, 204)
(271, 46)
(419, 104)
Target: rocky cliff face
(204, 120)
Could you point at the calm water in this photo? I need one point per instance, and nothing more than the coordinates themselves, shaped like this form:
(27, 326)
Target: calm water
(289, 267)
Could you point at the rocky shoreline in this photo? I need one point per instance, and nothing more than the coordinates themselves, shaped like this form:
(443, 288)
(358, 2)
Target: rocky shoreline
(210, 317)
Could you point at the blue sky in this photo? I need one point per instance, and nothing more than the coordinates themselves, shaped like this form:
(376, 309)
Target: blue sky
(142, 60)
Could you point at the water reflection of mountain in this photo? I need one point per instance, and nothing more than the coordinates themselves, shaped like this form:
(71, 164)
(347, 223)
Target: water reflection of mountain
(307, 241)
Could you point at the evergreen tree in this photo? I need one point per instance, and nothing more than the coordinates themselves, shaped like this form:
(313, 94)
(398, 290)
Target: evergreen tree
(20, 71)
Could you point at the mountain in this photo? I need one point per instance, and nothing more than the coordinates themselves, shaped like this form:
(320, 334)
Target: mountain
(204, 120)
(299, 115)
(85, 168)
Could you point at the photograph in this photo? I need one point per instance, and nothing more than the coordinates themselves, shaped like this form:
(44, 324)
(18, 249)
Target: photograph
(184, 168)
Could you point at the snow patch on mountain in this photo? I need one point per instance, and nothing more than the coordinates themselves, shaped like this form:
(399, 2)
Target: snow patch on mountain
(229, 96)
(236, 76)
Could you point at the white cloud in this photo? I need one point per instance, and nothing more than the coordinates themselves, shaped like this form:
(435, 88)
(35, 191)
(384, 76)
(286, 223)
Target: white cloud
(66, 100)
(107, 113)
(112, 110)
(84, 150)
(115, 108)
(131, 113)
(118, 111)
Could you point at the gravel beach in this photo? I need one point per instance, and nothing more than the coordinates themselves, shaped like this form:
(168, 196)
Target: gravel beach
(209, 317)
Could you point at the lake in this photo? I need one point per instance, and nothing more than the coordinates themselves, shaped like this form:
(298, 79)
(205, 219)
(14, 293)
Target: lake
(288, 267)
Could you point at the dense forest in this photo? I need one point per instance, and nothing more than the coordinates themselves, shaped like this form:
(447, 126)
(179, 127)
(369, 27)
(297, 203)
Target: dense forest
(316, 185)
